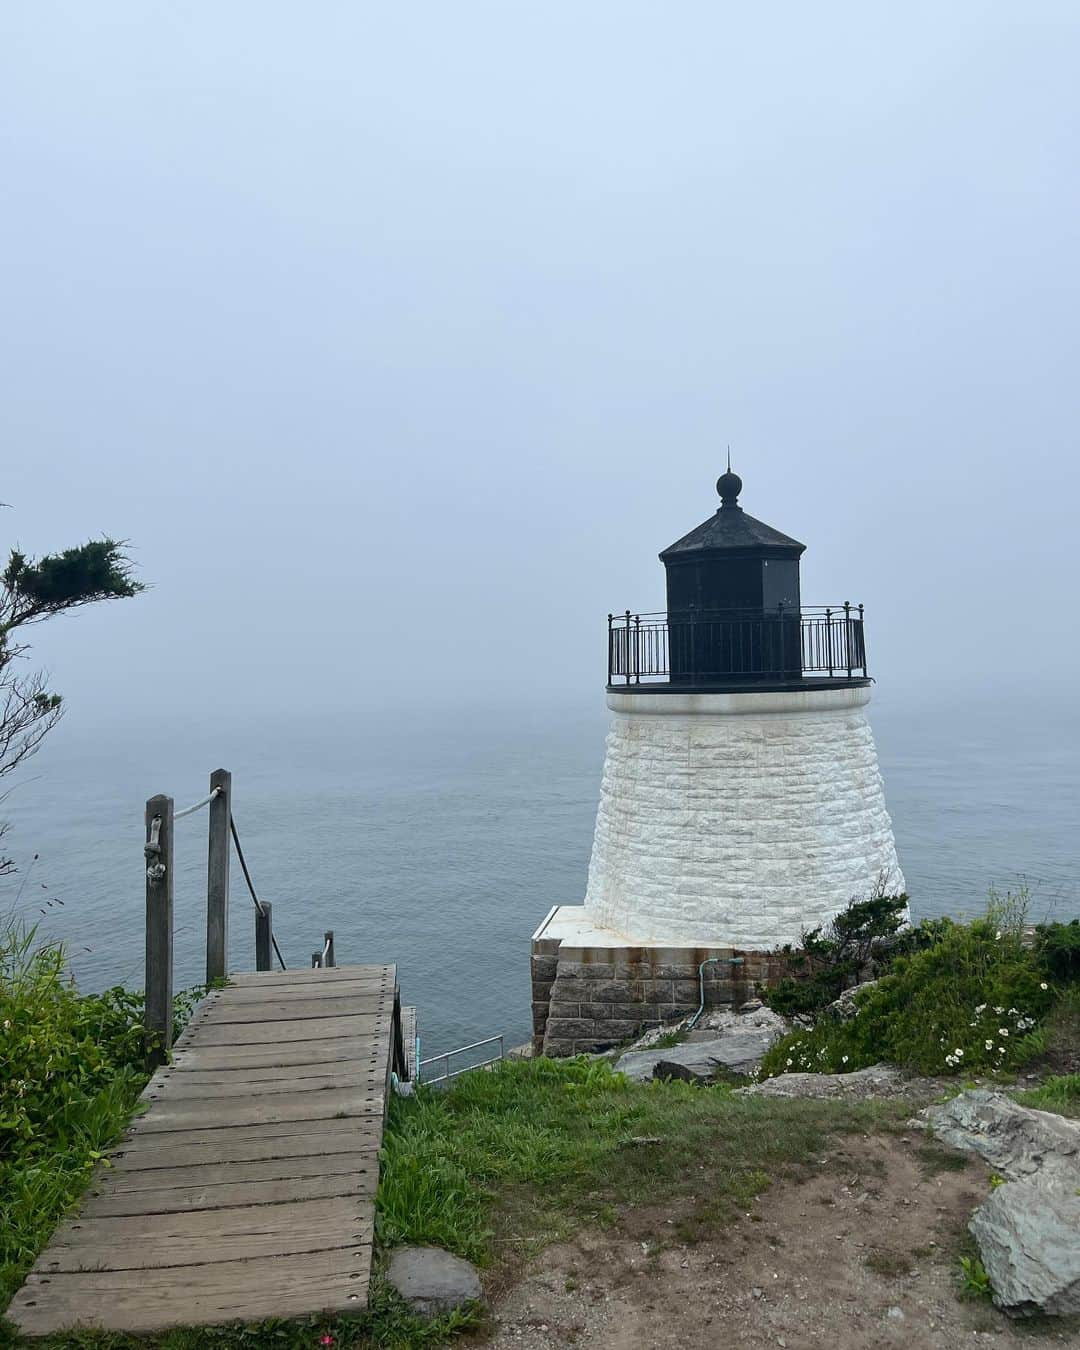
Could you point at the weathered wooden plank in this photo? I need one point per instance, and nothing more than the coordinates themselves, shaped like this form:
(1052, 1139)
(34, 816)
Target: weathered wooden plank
(333, 1049)
(267, 1077)
(142, 1300)
(265, 979)
(224, 1011)
(201, 1134)
(363, 986)
(294, 1139)
(192, 1085)
(274, 1033)
(133, 1177)
(224, 1194)
(286, 1106)
(337, 1216)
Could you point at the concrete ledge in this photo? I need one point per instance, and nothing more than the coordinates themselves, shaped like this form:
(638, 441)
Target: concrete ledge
(727, 705)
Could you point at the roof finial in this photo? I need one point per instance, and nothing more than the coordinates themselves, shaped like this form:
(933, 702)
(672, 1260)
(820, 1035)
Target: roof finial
(729, 485)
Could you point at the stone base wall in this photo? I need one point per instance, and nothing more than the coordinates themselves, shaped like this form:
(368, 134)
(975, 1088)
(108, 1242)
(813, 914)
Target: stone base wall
(587, 999)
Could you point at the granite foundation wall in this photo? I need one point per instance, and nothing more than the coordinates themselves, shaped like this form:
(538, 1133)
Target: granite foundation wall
(588, 999)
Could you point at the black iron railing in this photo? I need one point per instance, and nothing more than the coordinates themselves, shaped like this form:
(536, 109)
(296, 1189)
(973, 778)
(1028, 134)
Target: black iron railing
(703, 647)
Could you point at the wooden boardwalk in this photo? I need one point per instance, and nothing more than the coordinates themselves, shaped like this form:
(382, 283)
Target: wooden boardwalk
(246, 1190)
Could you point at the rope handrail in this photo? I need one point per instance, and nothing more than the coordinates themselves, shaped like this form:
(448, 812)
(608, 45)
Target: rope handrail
(251, 885)
(190, 810)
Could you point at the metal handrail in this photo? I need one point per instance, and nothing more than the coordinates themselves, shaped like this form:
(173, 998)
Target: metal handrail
(461, 1050)
(716, 647)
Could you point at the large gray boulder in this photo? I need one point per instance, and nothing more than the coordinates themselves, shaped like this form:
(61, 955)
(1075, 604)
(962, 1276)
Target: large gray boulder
(880, 1080)
(1018, 1143)
(432, 1281)
(737, 1045)
(1029, 1242)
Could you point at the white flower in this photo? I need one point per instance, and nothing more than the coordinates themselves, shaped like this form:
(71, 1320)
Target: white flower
(1044, 985)
(1013, 1012)
(789, 1063)
(7, 1021)
(999, 1011)
(1003, 1031)
(997, 936)
(843, 1059)
(1001, 1049)
(958, 1053)
(981, 1008)
(989, 1044)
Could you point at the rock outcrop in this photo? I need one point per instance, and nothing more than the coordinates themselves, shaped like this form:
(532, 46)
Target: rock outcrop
(1028, 1230)
(880, 1080)
(726, 1043)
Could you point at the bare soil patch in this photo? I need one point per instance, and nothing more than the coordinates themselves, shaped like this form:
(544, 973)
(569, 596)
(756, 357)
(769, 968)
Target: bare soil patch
(860, 1250)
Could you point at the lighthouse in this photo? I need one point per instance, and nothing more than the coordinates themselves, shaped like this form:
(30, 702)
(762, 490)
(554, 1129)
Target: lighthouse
(741, 801)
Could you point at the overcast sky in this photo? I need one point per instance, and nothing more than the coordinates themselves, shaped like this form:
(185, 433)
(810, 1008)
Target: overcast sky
(399, 339)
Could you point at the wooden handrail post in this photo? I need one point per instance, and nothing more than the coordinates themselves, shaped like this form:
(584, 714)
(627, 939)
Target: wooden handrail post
(217, 878)
(158, 1011)
(264, 936)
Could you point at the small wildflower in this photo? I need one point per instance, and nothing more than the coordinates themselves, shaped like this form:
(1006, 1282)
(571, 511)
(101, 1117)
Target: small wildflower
(789, 1064)
(997, 936)
(981, 1008)
(989, 1044)
(1003, 1031)
(958, 1053)
(1013, 1012)
(999, 1011)
(1044, 985)
(7, 1020)
(1001, 1049)
(843, 1059)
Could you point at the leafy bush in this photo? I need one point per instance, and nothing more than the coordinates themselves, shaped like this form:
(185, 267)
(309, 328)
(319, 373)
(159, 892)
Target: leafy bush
(833, 958)
(1059, 947)
(972, 1001)
(71, 1069)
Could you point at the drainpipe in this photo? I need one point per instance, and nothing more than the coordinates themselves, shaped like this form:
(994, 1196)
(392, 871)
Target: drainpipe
(709, 961)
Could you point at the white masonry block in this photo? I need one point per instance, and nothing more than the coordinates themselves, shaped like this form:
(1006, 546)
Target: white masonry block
(738, 819)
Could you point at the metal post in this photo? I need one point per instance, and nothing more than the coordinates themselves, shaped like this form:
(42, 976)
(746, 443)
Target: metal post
(637, 648)
(828, 637)
(158, 1009)
(847, 634)
(610, 647)
(217, 878)
(316, 960)
(862, 640)
(627, 646)
(264, 936)
(328, 947)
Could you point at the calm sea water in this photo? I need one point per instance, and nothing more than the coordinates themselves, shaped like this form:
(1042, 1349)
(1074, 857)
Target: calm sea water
(442, 845)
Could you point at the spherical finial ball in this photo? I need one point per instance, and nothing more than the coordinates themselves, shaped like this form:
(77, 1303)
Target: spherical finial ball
(729, 485)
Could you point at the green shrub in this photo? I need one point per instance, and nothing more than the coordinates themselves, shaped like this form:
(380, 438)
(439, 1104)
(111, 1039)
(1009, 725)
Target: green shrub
(1059, 946)
(71, 1070)
(831, 958)
(971, 1002)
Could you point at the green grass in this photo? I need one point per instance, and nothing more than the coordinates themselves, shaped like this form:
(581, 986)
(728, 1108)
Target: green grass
(512, 1158)
(1060, 1094)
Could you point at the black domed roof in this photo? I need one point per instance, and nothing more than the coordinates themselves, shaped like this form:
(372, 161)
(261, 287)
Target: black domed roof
(730, 528)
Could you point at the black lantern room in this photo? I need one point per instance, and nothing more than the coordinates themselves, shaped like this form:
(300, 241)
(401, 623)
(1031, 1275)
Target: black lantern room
(735, 618)
(733, 597)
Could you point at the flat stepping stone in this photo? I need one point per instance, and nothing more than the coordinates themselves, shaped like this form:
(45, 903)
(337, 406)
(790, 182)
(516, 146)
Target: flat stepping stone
(433, 1281)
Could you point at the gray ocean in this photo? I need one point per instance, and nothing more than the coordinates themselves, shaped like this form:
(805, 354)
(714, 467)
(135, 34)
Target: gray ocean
(441, 840)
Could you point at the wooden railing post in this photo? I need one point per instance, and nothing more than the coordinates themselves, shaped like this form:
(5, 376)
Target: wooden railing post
(217, 878)
(264, 936)
(158, 1012)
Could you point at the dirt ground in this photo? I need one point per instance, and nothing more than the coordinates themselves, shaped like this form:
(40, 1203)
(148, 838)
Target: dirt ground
(861, 1253)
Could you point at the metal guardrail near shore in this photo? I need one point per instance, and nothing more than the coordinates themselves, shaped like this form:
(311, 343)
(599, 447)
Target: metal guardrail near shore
(435, 1080)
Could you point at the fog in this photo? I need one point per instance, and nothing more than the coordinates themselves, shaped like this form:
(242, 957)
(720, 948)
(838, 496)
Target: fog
(399, 340)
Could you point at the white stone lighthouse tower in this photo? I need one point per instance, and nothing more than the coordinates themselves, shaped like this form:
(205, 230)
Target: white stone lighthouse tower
(741, 800)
